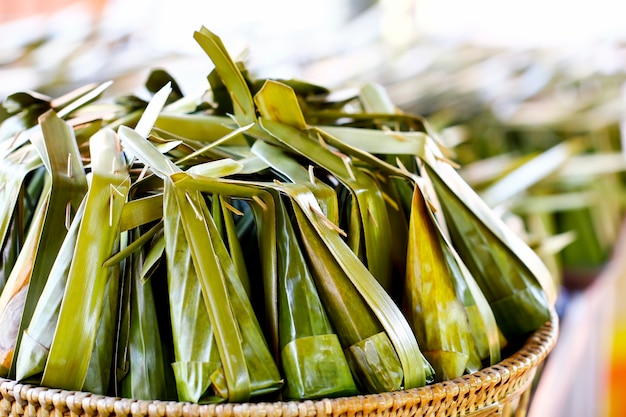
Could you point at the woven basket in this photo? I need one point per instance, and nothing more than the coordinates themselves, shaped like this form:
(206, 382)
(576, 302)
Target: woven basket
(500, 390)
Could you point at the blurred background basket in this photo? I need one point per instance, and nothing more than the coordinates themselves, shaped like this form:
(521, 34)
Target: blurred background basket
(500, 390)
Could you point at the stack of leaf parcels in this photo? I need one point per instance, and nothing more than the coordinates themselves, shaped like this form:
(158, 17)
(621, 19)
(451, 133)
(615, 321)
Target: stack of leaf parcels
(262, 241)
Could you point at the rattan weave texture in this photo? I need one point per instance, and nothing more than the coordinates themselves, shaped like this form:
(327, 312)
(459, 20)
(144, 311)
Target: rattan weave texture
(500, 390)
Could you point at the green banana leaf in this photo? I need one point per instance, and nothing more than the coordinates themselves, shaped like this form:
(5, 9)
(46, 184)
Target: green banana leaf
(100, 368)
(152, 110)
(60, 155)
(36, 341)
(312, 358)
(488, 339)
(196, 357)
(149, 373)
(246, 359)
(243, 105)
(367, 198)
(74, 100)
(17, 129)
(288, 167)
(14, 169)
(13, 295)
(79, 316)
(415, 369)
(437, 316)
(369, 211)
(371, 356)
(481, 317)
(20, 190)
(199, 128)
(206, 149)
(10, 250)
(195, 352)
(264, 220)
(509, 273)
(233, 82)
(235, 380)
(229, 235)
(514, 257)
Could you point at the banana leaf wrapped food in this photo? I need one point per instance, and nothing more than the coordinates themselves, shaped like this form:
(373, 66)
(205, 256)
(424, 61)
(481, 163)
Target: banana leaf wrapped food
(301, 247)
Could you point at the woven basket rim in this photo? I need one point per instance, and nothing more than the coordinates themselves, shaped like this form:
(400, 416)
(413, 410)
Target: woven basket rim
(461, 396)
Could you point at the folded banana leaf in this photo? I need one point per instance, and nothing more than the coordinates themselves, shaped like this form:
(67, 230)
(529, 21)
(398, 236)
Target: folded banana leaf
(246, 368)
(247, 365)
(101, 363)
(36, 341)
(195, 127)
(364, 348)
(229, 79)
(509, 273)
(313, 361)
(195, 351)
(367, 209)
(289, 168)
(224, 210)
(261, 216)
(243, 105)
(60, 155)
(82, 305)
(378, 329)
(437, 316)
(149, 374)
(23, 115)
(197, 364)
(16, 203)
(13, 295)
(484, 328)
(9, 250)
(66, 183)
(372, 358)
(501, 259)
(488, 338)
(367, 344)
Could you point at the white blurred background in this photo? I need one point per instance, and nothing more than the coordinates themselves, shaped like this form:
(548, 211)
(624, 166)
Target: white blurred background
(326, 41)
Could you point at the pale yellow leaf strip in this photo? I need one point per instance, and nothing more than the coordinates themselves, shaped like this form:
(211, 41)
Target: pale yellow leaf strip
(193, 206)
(447, 161)
(390, 201)
(69, 166)
(326, 221)
(232, 208)
(321, 140)
(260, 202)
